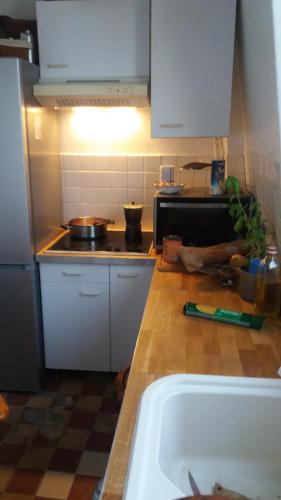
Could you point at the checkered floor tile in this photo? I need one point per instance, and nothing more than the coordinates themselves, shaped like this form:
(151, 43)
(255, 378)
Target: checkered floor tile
(55, 444)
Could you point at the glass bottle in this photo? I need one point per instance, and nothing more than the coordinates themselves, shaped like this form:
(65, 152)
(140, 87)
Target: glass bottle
(268, 293)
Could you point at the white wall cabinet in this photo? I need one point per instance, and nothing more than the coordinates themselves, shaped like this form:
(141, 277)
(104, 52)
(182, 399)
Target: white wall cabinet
(79, 39)
(129, 287)
(192, 44)
(92, 314)
(75, 305)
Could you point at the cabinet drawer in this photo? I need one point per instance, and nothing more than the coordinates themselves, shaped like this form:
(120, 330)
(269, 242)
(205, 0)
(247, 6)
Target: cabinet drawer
(63, 273)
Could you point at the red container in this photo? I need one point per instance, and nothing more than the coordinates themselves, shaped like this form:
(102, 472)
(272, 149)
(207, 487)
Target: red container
(171, 245)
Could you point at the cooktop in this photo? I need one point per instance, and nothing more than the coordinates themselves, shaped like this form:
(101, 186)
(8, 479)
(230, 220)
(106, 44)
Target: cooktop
(114, 242)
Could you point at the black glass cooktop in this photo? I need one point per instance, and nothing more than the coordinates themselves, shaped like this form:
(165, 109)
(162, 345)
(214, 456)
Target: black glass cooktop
(114, 242)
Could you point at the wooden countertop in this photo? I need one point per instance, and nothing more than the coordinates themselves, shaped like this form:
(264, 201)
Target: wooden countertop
(170, 342)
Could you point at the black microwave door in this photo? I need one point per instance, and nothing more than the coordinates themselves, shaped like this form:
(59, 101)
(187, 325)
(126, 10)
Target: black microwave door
(198, 227)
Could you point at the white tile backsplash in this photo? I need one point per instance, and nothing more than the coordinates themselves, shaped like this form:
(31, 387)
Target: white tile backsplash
(135, 163)
(135, 195)
(69, 162)
(117, 214)
(100, 185)
(151, 164)
(135, 180)
(150, 178)
(119, 180)
(103, 179)
(87, 163)
(72, 210)
(148, 196)
(119, 163)
(147, 215)
(70, 179)
(119, 195)
(71, 195)
(88, 209)
(169, 160)
(88, 179)
(103, 163)
(186, 177)
(88, 195)
(103, 195)
(200, 178)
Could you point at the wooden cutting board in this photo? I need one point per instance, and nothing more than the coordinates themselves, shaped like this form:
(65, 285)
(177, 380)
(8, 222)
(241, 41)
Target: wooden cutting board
(176, 267)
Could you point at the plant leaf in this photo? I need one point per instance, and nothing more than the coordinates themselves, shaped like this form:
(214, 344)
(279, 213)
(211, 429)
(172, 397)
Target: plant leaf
(232, 184)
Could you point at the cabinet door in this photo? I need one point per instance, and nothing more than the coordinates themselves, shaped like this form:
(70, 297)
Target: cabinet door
(129, 287)
(93, 40)
(76, 325)
(192, 43)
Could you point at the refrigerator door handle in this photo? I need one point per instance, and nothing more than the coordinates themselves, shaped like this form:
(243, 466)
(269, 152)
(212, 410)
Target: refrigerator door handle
(65, 273)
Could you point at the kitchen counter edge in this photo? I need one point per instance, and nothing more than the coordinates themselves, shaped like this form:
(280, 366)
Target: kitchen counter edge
(95, 260)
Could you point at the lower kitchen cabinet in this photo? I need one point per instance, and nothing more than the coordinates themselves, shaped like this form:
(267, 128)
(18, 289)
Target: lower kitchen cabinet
(75, 305)
(92, 314)
(129, 285)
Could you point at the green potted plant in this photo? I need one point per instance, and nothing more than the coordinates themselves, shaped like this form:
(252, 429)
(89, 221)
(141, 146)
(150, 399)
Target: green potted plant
(250, 224)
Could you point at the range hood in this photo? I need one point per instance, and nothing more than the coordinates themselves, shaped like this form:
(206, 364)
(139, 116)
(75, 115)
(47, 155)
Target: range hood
(104, 61)
(71, 93)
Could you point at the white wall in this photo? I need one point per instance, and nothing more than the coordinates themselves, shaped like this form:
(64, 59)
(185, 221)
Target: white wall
(19, 9)
(235, 141)
(276, 6)
(258, 52)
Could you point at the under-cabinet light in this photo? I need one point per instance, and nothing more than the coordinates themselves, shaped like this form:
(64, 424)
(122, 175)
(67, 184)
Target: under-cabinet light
(104, 124)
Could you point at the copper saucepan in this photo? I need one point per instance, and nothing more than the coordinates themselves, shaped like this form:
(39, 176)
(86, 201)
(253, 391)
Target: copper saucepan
(91, 228)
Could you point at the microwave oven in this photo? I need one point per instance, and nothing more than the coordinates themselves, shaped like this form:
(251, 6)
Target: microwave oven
(199, 218)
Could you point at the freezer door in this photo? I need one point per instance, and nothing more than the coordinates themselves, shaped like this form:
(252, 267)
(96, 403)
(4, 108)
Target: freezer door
(20, 329)
(15, 206)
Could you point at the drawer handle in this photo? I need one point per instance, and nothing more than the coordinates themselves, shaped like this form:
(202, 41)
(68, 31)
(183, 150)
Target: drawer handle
(127, 275)
(71, 274)
(171, 125)
(85, 294)
(57, 66)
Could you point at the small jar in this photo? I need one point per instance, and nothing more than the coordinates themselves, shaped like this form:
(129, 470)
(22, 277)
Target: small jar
(171, 245)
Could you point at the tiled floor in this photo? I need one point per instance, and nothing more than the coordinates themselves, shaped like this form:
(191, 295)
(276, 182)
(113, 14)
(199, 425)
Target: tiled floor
(55, 444)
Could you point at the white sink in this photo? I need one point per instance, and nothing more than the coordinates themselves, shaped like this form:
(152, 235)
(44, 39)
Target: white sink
(222, 429)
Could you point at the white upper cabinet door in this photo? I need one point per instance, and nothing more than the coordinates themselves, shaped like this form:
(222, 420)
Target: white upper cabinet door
(192, 45)
(82, 39)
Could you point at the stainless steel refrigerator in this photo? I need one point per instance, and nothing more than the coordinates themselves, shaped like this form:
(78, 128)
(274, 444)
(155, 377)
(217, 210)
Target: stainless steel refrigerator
(30, 215)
